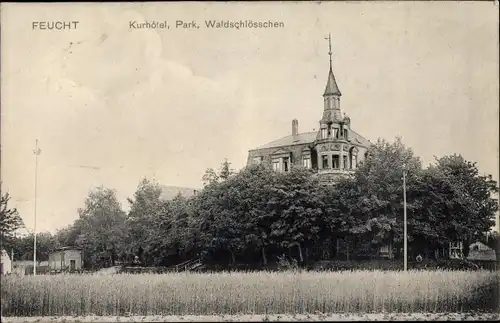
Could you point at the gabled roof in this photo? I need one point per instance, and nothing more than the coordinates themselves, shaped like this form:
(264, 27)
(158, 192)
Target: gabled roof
(331, 85)
(300, 139)
(357, 139)
(309, 138)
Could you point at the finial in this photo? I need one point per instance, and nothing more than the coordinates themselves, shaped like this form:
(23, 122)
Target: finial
(330, 48)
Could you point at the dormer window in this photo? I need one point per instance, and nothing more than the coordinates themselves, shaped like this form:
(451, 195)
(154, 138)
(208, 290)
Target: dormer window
(276, 165)
(281, 161)
(286, 164)
(306, 162)
(354, 161)
(324, 133)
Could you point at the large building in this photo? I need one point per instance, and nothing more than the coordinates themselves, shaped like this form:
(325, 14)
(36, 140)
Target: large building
(332, 151)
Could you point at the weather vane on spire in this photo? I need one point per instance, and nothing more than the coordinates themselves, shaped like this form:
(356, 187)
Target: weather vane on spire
(330, 48)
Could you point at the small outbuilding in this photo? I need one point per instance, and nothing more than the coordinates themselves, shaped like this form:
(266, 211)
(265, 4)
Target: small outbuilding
(66, 259)
(478, 251)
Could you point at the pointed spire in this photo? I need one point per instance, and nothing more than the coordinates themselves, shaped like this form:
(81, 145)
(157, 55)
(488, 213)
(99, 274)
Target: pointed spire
(331, 85)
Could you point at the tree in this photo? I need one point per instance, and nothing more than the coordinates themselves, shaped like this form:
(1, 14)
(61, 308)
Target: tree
(10, 221)
(45, 244)
(344, 209)
(212, 177)
(67, 237)
(378, 180)
(492, 240)
(254, 185)
(228, 227)
(143, 208)
(233, 215)
(297, 201)
(457, 201)
(225, 170)
(103, 225)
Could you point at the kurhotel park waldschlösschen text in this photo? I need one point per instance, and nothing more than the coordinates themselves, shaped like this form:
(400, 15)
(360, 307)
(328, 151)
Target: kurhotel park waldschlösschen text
(215, 24)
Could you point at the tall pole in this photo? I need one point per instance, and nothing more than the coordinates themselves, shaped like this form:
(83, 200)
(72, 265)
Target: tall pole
(404, 210)
(12, 252)
(36, 152)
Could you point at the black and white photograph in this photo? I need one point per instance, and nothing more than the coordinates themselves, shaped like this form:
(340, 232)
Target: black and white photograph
(249, 161)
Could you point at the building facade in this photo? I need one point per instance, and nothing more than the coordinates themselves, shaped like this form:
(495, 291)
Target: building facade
(333, 151)
(66, 258)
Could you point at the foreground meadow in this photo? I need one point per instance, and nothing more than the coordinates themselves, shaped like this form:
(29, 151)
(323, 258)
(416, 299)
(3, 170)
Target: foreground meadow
(270, 293)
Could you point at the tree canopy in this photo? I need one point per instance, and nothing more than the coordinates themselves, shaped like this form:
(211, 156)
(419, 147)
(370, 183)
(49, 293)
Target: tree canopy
(10, 221)
(256, 214)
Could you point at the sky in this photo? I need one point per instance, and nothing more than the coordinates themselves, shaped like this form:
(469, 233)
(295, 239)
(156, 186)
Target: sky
(111, 104)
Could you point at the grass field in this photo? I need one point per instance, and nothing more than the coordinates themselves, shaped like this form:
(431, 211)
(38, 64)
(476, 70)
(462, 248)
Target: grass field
(250, 293)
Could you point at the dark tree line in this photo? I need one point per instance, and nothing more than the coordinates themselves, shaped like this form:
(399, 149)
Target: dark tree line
(257, 214)
(10, 222)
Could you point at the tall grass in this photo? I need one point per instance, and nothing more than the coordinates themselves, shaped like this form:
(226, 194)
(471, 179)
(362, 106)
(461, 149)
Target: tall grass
(249, 293)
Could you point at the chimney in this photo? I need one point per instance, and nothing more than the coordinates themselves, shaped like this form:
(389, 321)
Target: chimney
(295, 127)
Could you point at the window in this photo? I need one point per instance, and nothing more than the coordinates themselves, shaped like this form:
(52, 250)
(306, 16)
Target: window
(306, 162)
(345, 160)
(335, 161)
(286, 164)
(324, 160)
(323, 133)
(345, 133)
(257, 160)
(354, 161)
(456, 250)
(276, 165)
(386, 251)
(336, 132)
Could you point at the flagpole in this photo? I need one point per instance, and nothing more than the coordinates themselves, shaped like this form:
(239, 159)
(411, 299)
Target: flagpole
(36, 152)
(405, 221)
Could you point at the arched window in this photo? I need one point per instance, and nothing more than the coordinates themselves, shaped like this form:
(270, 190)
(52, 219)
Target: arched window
(353, 158)
(323, 133)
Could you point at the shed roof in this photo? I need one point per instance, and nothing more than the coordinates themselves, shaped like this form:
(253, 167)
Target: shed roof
(66, 248)
(480, 251)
